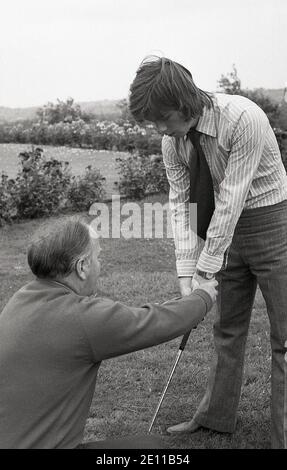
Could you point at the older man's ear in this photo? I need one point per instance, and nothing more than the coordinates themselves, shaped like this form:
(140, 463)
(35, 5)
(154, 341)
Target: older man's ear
(82, 268)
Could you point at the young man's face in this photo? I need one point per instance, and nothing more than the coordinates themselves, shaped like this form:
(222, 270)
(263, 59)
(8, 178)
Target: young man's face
(175, 125)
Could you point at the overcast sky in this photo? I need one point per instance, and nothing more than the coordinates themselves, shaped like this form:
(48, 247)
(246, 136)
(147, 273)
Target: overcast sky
(90, 49)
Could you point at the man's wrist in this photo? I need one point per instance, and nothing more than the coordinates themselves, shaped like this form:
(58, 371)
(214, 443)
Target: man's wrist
(205, 274)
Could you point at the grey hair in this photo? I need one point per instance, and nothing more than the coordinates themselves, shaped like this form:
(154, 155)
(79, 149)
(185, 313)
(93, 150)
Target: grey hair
(56, 247)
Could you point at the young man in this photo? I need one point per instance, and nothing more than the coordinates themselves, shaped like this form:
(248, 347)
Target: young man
(55, 331)
(243, 224)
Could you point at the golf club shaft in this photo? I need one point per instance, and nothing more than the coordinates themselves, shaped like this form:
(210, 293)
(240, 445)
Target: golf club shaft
(181, 348)
(165, 389)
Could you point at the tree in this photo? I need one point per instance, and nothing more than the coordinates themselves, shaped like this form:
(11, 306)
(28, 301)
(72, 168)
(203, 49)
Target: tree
(62, 111)
(231, 84)
(125, 112)
(282, 118)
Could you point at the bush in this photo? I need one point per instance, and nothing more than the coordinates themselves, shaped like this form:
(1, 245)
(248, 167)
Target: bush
(141, 175)
(282, 142)
(41, 185)
(44, 187)
(100, 135)
(8, 206)
(87, 189)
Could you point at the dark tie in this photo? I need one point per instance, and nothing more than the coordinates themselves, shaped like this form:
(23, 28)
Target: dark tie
(201, 186)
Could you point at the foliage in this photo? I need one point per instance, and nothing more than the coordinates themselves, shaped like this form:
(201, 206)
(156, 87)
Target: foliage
(100, 135)
(282, 142)
(62, 111)
(8, 206)
(43, 187)
(86, 189)
(282, 118)
(141, 175)
(125, 112)
(231, 84)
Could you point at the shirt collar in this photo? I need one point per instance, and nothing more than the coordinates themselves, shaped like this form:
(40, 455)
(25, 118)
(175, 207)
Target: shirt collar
(206, 123)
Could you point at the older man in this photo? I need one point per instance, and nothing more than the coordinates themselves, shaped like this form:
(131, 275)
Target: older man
(55, 331)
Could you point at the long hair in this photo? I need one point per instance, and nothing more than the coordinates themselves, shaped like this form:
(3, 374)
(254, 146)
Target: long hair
(162, 85)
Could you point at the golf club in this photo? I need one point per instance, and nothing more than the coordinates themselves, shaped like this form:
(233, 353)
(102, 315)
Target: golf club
(179, 353)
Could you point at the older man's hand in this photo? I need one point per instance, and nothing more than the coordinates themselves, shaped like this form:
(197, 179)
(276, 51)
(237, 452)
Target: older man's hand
(209, 287)
(188, 284)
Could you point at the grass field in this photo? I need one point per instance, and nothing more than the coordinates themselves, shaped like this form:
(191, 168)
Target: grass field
(128, 388)
(79, 159)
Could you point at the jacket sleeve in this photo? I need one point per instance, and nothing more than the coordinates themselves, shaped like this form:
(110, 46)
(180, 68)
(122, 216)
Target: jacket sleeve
(113, 328)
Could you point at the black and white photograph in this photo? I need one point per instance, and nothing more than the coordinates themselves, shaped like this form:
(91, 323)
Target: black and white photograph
(143, 228)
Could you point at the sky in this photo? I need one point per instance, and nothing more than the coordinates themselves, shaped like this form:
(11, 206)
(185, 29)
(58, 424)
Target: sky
(90, 49)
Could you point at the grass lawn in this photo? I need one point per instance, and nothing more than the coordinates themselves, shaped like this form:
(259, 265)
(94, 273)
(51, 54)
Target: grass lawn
(128, 388)
(79, 159)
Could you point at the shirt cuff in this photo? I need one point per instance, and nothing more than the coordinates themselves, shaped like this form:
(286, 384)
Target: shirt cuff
(209, 263)
(185, 267)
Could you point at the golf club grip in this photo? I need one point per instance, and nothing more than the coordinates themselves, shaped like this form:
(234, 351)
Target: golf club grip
(184, 340)
(186, 336)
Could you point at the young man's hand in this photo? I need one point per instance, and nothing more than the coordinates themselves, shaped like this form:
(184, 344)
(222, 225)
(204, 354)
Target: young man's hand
(197, 279)
(185, 286)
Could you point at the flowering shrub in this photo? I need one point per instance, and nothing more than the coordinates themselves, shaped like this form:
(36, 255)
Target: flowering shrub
(141, 175)
(41, 185)
(8, 206)
(85, 190)
(123, 136)
(44, 187)
(99, 135)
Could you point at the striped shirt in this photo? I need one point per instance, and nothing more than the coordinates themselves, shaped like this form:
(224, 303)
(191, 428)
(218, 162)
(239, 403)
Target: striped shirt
(247, 172)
